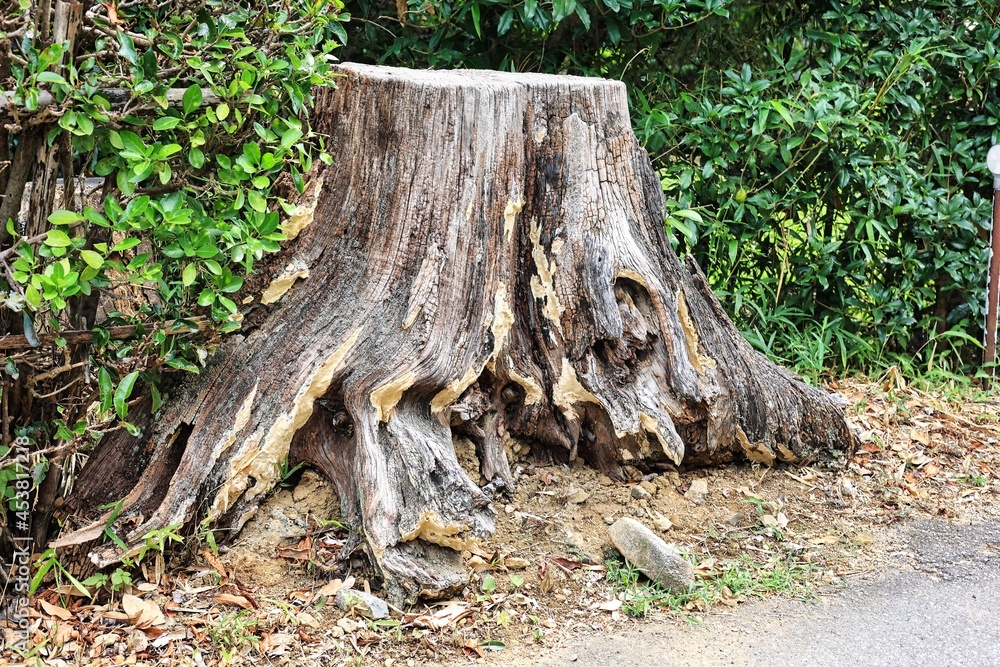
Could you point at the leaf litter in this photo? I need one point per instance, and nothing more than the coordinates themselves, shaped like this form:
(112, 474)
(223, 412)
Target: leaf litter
(545, 573)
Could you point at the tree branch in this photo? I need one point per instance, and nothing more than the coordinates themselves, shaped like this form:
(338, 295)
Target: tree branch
(117, 96)
(15, 343)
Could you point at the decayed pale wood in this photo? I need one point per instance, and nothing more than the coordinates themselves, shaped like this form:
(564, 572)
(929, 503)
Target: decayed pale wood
(486, 259)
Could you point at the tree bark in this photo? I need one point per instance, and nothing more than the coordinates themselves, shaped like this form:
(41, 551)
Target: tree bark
(486, 257)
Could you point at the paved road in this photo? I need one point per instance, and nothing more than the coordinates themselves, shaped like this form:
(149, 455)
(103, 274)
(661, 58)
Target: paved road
(943, 610)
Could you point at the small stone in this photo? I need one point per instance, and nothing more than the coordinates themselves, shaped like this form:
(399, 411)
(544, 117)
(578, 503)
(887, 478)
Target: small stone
(649, 487)
(697, 491)
(608, 520)
(361, 603)
(514, 563)
(307, 619)
(639, 493)
(347, 625)
(641, 513)
(509, 509)
(478, 564)
(337, 632)
(662, 524)
(737, 519)
(655, 558)
(577, 496)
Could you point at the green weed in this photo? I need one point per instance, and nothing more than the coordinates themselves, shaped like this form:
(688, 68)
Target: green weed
(736, 579)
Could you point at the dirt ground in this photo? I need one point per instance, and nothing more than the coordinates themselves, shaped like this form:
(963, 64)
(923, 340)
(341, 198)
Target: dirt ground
(797, 531)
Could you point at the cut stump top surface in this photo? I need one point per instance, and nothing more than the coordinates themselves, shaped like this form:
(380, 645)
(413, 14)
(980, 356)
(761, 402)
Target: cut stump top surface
(475, 78)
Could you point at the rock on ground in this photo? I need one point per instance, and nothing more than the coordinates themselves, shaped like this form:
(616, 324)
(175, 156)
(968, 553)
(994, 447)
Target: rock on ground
(361, 603)
(655, 558)
(698, 491)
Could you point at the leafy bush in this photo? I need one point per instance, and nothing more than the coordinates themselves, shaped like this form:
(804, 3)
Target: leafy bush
(192, 118)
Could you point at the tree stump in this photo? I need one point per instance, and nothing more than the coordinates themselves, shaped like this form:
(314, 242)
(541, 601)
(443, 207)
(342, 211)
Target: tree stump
(486, 257)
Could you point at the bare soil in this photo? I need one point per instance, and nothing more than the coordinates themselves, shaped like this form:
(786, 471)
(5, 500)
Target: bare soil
(542, 577)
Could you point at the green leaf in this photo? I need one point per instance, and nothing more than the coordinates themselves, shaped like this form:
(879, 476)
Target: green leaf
(561, 9)
(29, 329)
(32, 296)
(127, 47)
(227, 303)
(157, 399)
(64, 217)
(189, 274)
(44, 564)
(192, 99)
(290, 136)
(690, 215)
(257, 201)
(182, 364)
(132, 142)
(196, 157)
(106, 387)
(125, 244)
(475, 20)
(51, 77)
(56, 238)
(222, 111)
(506, 21)
(780, 108)
(123, 392)
(165, 123)
(93, 259)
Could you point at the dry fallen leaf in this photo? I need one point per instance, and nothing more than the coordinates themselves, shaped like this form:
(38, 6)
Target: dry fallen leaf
(214, 561)
(140, 613)
(330, 588)
(238, 600)
(54, 610)
(276, 643)
(479, 564)
(610, 605)
(567, 564)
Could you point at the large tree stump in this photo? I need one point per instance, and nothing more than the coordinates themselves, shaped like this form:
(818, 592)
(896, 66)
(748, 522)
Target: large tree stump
(486, 257)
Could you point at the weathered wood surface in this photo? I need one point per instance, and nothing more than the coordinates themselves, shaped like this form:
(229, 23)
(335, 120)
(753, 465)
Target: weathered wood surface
(486, 257)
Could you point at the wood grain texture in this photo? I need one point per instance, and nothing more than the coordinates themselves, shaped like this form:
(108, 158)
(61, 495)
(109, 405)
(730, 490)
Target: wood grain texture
(486, 258)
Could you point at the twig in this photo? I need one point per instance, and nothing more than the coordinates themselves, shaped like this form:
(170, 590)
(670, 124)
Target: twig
(14, 342)
(30, 240)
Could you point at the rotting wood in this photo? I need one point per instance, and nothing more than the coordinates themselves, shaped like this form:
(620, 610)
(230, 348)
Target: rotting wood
(487, 260)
